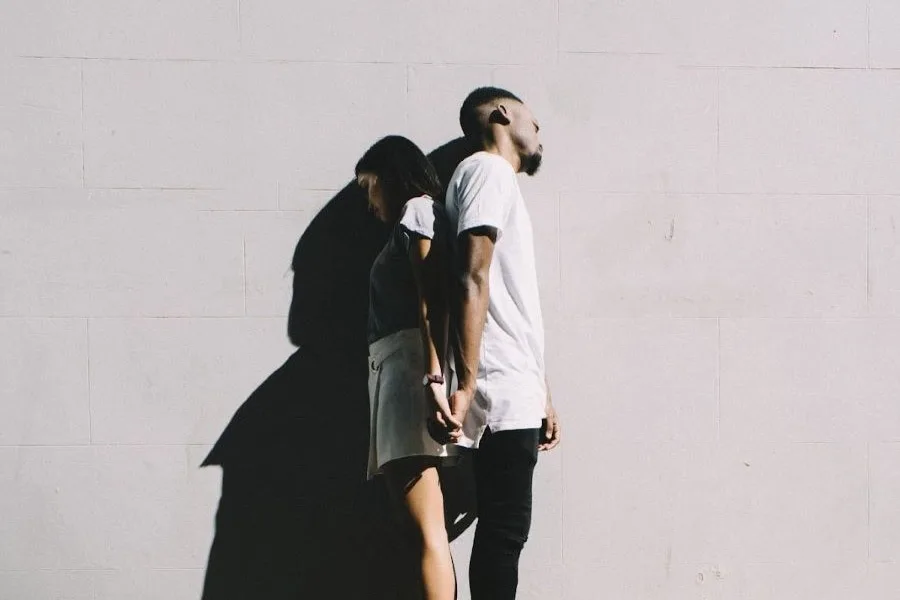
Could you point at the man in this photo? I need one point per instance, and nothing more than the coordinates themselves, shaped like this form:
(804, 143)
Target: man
(502, 405)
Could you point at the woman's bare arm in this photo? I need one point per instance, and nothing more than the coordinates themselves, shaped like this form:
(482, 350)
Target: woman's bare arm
(428, 269)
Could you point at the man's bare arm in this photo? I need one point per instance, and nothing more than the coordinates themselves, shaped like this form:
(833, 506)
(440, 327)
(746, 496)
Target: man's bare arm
(471, 298)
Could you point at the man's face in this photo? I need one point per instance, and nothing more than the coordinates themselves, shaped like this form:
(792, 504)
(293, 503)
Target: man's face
(524, 132)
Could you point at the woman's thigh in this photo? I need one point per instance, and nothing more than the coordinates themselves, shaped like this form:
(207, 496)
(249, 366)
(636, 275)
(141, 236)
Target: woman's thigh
(415, 489)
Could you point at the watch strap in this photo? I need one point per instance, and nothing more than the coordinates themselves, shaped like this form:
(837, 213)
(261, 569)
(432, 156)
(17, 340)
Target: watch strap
(429, 379)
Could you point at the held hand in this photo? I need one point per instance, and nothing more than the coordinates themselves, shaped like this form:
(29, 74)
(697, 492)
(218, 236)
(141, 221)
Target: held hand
(459, 405)
(442, 425)
(550, 432)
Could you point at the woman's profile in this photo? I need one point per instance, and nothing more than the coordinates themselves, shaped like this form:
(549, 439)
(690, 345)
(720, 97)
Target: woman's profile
(407, 335)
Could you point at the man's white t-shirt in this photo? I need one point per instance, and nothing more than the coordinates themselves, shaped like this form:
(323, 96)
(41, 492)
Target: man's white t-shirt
(511, 390)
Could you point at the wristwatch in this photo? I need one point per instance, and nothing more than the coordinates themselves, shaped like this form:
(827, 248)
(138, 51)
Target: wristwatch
(429, 379)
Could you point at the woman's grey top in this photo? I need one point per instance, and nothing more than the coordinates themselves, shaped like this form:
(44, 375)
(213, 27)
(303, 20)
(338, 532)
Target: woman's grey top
(393, 296)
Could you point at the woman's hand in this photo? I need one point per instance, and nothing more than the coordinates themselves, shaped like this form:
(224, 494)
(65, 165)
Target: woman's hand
(443, 427)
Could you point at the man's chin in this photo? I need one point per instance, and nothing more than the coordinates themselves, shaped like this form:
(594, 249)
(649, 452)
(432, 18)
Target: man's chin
(532, 166)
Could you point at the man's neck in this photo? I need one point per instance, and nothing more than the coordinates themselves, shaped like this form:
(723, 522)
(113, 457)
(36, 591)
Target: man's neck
(504, 147)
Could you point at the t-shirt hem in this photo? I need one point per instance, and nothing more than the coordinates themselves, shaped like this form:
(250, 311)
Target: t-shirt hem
(519, 424)
(474, 443)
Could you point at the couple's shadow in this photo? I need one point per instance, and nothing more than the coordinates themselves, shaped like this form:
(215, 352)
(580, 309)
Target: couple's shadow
(296, 518)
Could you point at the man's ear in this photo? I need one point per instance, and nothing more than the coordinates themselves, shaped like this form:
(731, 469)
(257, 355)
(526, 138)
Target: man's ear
(499, 115)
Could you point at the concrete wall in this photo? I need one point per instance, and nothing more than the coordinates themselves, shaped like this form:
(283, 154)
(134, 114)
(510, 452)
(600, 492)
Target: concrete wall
(718, 249)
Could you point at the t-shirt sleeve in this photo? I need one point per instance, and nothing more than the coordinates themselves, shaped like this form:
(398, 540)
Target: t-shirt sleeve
(417, 220)
(484, 197)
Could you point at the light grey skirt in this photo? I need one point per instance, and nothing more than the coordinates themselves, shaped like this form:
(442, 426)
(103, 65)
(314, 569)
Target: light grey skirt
(397, 403)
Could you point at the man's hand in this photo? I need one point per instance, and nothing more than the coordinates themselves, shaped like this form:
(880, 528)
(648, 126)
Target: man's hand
(442, 426)
(550, 437)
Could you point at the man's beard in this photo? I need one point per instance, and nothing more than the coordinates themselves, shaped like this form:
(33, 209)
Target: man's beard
(532, 163)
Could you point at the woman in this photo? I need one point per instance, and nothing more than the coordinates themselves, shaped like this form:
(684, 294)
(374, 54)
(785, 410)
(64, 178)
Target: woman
(407, 334)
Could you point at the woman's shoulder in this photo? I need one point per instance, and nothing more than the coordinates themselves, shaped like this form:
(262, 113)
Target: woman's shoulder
(424, 206)
(423, 201)
(423, 215)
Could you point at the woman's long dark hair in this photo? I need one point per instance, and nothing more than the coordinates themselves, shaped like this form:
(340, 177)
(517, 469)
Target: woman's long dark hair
(403, 170)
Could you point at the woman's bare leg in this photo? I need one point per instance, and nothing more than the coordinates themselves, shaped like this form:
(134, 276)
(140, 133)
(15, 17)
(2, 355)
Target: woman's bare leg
(415, 483)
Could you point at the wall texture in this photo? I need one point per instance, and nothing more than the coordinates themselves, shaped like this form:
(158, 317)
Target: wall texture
(718, 248)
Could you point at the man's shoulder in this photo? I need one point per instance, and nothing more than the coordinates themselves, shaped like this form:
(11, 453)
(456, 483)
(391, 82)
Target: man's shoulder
(481, 163)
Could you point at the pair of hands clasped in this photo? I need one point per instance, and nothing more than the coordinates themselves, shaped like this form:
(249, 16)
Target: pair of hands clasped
(446, 416)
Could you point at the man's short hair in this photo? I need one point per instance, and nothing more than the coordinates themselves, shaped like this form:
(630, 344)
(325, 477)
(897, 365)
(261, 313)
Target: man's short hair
(468, 113)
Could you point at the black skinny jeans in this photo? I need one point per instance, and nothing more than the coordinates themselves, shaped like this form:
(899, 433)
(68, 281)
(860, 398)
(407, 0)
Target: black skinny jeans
(504, 468)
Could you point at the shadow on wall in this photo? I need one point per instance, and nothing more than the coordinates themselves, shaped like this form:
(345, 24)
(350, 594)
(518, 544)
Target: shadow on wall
(296, 518)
